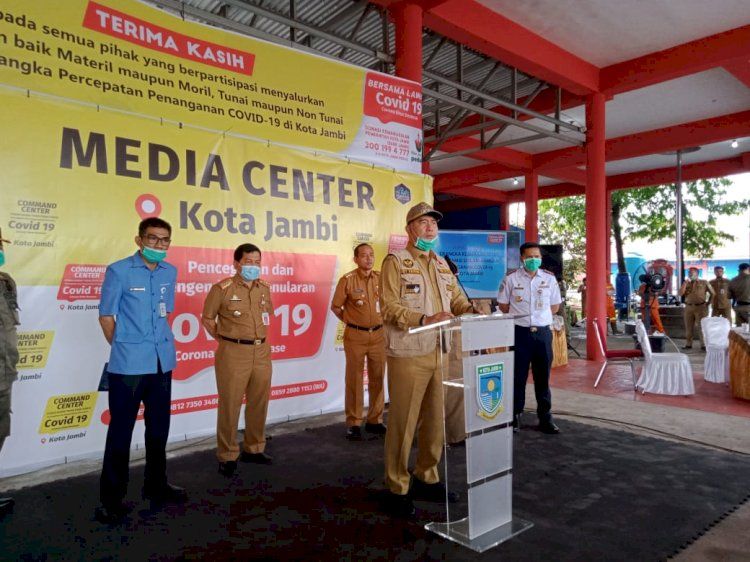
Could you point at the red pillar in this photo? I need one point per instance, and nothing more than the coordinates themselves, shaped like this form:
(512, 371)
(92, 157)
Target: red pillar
(531, 198)
(407, 19)
(609, 233)
(505, 216)
(596, 223)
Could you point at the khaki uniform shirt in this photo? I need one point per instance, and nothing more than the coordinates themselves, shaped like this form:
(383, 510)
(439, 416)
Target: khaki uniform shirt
(721, 293)
(696, 291)
(242, 309)
(8, 335)
(415, 284)
(359, 295)
(739, 288)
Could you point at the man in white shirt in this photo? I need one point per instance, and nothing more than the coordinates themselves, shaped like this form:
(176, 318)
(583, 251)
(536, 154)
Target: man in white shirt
(534, 296)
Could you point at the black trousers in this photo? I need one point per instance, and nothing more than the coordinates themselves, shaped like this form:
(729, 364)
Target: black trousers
(535, 349)
(126, 392)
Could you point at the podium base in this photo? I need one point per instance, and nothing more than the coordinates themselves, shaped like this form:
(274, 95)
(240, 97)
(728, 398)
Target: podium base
(458, 532)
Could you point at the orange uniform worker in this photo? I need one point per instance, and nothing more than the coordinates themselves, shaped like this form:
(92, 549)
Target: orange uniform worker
(237, 313)
(418, 288)
(656, 324)
(356, 303)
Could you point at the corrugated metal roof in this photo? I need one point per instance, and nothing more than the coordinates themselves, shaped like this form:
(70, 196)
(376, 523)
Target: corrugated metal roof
(341, 17)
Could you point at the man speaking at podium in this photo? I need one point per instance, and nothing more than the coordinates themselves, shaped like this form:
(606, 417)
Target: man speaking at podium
(534, 296)
(418, 289)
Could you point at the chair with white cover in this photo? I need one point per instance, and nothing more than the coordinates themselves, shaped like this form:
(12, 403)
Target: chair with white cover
(716, 335)
(663, 373)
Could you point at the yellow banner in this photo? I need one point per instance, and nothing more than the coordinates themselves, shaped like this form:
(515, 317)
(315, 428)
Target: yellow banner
(68, 411)
(79, 180)
(131, 56)
(33, 349)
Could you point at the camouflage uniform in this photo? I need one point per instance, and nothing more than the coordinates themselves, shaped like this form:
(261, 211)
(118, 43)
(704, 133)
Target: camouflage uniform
(8, 349)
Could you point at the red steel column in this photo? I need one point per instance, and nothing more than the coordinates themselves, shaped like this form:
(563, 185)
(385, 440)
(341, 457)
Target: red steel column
(609, 232)
(596, 223)
(531, 198)
(407, 19)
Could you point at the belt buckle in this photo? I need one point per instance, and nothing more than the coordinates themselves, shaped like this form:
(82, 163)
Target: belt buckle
(533, 329)
(371, 330)
(257, 342)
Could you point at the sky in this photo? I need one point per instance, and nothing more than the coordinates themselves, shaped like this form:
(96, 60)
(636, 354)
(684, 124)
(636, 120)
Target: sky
(738, 226)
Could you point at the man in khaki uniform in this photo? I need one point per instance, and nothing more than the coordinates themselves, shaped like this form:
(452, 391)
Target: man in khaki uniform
(356, 303)
(720, 304)
(418, 289)
(739, 292)
(697, 293)
(237, 313)
(8, 356)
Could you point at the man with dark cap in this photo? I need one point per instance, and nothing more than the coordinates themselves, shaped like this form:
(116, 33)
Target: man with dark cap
(417, 289)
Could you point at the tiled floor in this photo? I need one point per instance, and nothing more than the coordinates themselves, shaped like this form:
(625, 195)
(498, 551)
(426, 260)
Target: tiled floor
(579, 376)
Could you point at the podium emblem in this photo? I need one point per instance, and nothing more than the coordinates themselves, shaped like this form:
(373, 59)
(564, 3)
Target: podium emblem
(490, 390)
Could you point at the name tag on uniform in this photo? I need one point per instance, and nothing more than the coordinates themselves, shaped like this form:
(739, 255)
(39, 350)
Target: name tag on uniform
(266, 319)
(163, 309)
(235, 298)
(413, 288)
(133, 289)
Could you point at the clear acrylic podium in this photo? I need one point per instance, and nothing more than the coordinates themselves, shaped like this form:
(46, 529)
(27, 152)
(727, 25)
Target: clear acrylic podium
(477, 371)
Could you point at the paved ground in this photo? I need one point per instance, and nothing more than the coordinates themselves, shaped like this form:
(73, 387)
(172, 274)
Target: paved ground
(728, 541)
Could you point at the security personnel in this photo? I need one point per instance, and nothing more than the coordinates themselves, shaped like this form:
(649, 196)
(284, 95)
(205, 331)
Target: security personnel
(534, 296)
(356, 302)
(137, 296)
(418, 288)
(8, 355)
(697, 293)
(720, 304)
(237, 313)
(739, 292)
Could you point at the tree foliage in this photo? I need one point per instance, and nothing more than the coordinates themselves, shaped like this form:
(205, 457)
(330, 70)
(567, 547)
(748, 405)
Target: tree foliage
(648, 214)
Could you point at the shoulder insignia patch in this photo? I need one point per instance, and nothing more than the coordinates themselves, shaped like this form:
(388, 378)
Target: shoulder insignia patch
(224, 283)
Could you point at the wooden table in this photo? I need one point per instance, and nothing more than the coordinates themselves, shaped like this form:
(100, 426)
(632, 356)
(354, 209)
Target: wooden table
(739, 363)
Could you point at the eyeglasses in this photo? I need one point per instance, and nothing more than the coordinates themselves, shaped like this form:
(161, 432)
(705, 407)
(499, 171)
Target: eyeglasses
(157, 241)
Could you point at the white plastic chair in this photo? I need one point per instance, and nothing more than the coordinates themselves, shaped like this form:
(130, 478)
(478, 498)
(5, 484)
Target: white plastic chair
(663, 373)
(716, 335)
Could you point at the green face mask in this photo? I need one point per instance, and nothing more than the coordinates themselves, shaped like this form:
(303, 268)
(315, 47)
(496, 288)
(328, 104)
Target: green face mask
(426, 245)
(152, 255)
(2, 258)
(532, 264)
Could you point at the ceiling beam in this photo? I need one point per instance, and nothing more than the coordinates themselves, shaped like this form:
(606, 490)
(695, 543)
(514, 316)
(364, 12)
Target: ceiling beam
(695, 133)
(740, 69)
(475, 192)
(675, 62)
(472, 24)
(472, 176)
(661, 176)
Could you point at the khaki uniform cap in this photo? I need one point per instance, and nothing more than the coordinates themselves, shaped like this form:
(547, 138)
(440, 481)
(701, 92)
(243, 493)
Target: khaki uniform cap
(420, 210)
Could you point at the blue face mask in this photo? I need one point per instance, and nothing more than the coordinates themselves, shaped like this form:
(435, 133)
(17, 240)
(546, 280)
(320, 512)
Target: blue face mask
(2, 258)
(250, 272)
(532, 264)
(152, 255)
(425, 245)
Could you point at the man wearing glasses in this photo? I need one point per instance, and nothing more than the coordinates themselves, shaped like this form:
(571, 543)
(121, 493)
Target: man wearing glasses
(137, 296)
